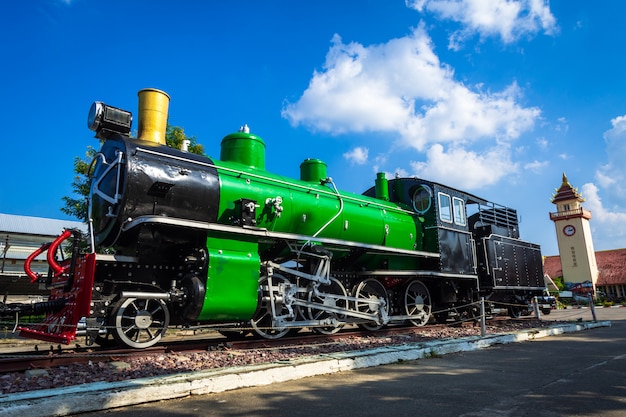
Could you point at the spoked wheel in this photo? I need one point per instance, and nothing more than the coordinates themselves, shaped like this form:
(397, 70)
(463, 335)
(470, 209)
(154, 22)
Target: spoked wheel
(334, 288)
(417, 303)
(263, 320)
(515, 311)
(369, 292)
(140, 323)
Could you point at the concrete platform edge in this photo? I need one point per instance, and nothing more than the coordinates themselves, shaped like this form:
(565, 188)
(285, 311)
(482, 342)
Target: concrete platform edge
(105, 395)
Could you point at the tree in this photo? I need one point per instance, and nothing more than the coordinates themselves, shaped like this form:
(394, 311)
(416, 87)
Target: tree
(174, 137)
(76, 206)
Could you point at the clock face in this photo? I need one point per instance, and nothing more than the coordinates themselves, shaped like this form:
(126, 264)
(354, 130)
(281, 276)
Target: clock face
(569, 230)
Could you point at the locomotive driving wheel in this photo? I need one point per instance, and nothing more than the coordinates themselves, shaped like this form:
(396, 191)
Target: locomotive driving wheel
(369, 292)
(326, 298)
(417, 302)
(140, 322)
(270, 304)
(515, 312)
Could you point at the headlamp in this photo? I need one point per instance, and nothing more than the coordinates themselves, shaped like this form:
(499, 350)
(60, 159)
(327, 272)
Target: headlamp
(103, 117)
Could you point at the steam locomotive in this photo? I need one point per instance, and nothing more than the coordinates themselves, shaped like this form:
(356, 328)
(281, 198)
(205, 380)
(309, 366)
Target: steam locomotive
(179, 239)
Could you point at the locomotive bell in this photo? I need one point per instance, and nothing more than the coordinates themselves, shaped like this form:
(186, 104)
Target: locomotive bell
(152, 115)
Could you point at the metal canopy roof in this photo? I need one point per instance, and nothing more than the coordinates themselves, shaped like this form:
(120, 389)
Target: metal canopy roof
(38, 226)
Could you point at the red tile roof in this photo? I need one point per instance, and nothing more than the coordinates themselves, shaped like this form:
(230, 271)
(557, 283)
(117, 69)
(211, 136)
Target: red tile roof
(611, 267)
(552, 266)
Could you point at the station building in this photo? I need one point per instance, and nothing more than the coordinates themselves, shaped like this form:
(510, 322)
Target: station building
(598, 272)
(19, 237)
(611, 272)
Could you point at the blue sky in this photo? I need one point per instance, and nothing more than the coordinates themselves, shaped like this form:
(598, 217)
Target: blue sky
(496, 97)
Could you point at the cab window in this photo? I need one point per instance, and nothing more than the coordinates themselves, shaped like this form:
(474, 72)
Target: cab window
(445, 208)
(422, 199)
(459, 211)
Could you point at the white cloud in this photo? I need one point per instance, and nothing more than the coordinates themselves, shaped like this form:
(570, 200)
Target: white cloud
(613, 173)
(536, 166)
(465, 115)
(372, 88)
(605, 181)
(508, 19)
(606, 222)
(562, 125)
(543, 143)
(401, 89)
(464, 168)
(357, 155)
(618, 129)
(400, 173)
(606, 197)
(379, 162)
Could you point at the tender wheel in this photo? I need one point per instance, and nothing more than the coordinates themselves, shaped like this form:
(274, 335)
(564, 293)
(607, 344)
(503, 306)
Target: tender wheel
(417, 303)
(515, 311)
(334, 288)
(262, 322)
(370, 291)
(140, 323)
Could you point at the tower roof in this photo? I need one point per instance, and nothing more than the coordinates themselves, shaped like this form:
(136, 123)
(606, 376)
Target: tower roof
(566, 192)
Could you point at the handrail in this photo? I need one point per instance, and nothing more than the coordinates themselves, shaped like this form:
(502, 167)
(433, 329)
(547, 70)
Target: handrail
(56, 268)
(51, 247)
(32, 275)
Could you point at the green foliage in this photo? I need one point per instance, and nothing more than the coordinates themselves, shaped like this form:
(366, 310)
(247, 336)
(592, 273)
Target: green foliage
(77, 207)
(175, 135)
(559, 283)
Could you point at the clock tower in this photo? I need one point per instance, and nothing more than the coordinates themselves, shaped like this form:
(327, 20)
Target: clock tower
(578, 258)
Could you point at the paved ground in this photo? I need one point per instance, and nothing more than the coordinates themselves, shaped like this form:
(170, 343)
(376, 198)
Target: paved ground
(581, 374)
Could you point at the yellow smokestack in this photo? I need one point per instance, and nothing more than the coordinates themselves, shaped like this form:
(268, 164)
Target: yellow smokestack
(152, 115)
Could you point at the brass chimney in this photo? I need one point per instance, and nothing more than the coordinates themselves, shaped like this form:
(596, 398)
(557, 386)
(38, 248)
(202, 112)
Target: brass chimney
(152, 115)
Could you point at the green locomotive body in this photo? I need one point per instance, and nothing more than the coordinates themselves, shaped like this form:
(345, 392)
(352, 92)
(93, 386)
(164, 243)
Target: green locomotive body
(262, 212)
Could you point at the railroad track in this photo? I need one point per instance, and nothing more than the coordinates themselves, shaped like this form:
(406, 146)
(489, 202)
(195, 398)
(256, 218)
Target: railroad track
(56, 356)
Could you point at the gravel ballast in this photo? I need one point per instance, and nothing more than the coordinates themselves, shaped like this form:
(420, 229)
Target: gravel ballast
(101, 385)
